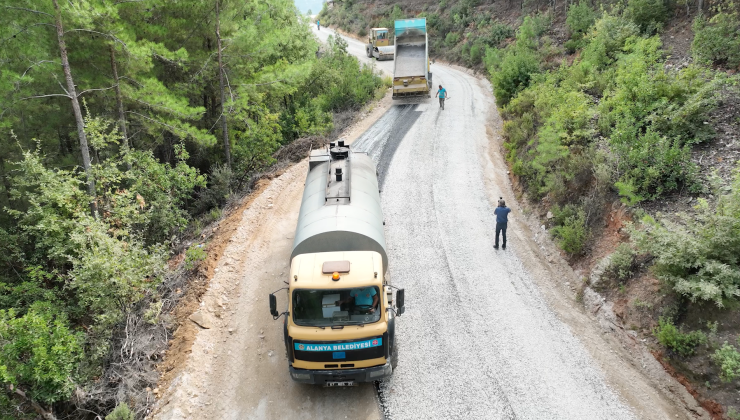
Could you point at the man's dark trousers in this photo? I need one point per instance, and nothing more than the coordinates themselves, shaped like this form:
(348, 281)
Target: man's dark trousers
(500, 228)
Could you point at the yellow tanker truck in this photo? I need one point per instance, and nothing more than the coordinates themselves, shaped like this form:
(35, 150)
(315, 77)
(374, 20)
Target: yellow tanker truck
(340, 316)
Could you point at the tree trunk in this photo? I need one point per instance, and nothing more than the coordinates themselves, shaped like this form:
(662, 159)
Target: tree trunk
(699, 6)
(227, 146)
(62, 148)
(76, 108)
(41, 411)
(119, 103)
(6, 183)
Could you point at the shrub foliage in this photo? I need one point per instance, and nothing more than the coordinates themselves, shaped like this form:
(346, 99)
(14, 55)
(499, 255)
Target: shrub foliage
(676, 340)
(699, 255)
(717, 40)
(728, 359)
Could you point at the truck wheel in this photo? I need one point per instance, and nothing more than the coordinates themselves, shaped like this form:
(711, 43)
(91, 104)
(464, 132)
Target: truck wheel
(394, 357)
(368, 51)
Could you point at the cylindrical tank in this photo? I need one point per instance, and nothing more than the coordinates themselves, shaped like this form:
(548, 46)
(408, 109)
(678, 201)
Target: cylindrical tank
(330, 225)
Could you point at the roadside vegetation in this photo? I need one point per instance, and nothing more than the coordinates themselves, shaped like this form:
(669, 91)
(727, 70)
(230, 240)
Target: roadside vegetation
(607, 116)
(618, 120)
(124, 128)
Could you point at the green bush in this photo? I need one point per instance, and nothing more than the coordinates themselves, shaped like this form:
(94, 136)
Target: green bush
(121, 412)
(220, 184)
(39, 353)
(512, 69)
(99, 266)
(653, 165)
(606, 40)
(649, 15)
(571, 231)
(109, 276)
(194, 255)
(452, 39)
(340, 82)
(677, 341)
(497, 34)
(652, 117)
(514, 73)
(728, 359)
(698, 253)
(717, 40)
(581, 16)
(621, 263)
(476, 54)
(541, 23)
(574, 44)
(162, 193)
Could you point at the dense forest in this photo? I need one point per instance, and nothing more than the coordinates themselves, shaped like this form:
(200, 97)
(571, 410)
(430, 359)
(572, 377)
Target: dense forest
(124, 125)
(619, 110)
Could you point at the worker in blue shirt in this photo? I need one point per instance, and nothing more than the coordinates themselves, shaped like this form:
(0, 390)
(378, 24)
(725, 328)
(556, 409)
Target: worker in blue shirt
(364, 297)
(502, 218)
(318, 24)
(442, 93)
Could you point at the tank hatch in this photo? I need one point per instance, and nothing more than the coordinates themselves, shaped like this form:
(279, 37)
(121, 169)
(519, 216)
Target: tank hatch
(339, 177)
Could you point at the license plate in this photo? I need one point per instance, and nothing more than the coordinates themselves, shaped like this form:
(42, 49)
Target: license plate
(344, 383)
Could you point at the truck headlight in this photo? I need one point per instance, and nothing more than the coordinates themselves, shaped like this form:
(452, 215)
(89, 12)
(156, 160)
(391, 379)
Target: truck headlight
(376, 373)
(301, 375)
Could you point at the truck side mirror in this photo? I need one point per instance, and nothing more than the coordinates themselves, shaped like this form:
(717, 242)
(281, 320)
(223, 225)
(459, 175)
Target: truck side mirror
(273, 305)
(400, 301)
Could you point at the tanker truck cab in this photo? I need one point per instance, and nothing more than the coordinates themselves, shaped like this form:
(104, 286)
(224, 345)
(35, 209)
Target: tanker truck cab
(339, 326)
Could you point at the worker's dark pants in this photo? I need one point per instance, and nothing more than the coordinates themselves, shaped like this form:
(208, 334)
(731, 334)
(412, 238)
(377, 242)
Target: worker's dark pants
(442, 103)
(500, 228)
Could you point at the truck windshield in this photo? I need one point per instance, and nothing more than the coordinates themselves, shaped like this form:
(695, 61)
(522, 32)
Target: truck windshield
(328, 307)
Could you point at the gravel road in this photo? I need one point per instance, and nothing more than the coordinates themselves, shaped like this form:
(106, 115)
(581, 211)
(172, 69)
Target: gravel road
(486, 334)
(477, 339)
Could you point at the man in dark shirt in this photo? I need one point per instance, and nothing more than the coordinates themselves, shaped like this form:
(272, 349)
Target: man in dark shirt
(502, 218)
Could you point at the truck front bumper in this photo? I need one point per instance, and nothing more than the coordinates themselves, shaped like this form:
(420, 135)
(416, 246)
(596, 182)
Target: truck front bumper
(321, 377)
